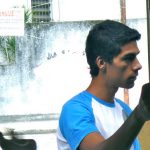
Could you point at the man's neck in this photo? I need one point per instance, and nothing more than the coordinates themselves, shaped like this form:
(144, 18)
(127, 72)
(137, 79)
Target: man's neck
(102, 90)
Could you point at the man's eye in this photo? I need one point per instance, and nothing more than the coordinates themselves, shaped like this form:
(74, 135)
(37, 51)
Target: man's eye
(129, 58)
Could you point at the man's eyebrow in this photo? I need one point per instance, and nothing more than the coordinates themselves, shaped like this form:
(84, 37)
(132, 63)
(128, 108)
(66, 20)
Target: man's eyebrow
(132, 53)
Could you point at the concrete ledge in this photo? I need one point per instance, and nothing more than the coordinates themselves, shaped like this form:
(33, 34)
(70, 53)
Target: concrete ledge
(28, 117)
(30, 124)
(32, 132)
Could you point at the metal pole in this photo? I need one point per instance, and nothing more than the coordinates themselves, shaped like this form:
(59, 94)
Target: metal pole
(123, 20)
(123, 11)
(148, 33)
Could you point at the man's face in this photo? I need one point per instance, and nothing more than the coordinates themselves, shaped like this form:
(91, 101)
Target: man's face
(123, 70)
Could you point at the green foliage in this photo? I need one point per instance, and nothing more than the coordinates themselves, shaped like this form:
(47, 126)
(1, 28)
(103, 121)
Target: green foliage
(8, 48)
(27, 15)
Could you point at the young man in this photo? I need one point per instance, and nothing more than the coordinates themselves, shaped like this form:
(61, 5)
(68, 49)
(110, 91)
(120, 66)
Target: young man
(94, 119)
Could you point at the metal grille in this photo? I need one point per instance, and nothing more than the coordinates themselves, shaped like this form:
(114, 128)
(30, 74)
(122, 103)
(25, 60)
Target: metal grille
(41, 11)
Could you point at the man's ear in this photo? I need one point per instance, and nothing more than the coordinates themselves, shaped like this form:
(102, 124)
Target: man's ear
(100, 63)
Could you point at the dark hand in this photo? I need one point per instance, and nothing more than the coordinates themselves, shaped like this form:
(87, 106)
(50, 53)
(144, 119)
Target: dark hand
(144, 104)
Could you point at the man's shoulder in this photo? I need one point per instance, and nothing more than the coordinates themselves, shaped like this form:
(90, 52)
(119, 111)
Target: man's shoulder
(80, 98)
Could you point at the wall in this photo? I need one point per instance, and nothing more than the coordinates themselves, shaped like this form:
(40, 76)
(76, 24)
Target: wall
(50, 68)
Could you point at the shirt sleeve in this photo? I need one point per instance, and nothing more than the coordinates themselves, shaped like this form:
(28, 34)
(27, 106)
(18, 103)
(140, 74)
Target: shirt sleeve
(76, 121)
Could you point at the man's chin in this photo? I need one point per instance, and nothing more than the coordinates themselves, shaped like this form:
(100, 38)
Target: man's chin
(128, 85)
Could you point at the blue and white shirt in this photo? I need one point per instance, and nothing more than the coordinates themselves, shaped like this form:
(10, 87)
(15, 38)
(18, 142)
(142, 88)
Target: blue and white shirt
(84, 114)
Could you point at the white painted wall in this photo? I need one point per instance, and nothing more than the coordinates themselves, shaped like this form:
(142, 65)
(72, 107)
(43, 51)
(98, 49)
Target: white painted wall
(11, 3)
(73, 10)
(70, 10)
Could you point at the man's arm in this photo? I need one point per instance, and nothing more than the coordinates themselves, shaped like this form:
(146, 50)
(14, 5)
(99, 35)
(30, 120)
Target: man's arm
(123, 138)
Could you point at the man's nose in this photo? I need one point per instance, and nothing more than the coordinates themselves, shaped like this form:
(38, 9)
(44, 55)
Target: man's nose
(137, 65)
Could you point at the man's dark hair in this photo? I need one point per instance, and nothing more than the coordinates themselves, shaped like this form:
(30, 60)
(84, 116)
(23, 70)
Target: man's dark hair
(105, 39)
